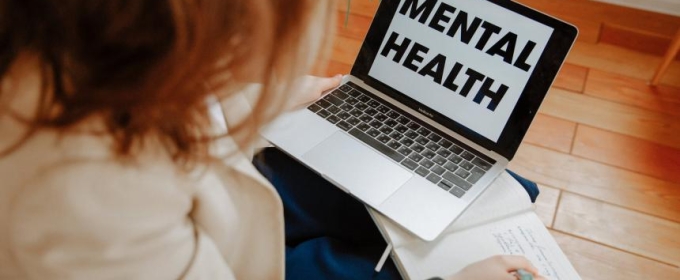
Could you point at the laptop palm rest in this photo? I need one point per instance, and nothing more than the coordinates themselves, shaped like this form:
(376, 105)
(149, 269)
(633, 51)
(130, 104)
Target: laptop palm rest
(363, 172)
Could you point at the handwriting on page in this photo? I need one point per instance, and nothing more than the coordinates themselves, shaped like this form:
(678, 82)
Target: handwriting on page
(522, 241)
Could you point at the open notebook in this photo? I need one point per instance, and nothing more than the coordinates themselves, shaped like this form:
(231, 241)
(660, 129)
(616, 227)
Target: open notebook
(501, 221)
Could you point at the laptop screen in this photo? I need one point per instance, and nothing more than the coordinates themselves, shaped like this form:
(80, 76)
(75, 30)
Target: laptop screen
(466, 64)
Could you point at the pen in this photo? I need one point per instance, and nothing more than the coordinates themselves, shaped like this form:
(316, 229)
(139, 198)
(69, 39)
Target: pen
(382, 260)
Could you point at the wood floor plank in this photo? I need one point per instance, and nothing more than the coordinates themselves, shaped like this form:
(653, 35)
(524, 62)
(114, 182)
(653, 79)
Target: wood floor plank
(596, 261)
(588, 29)
(620, 228)
(634, 39)
(628, 152)
(634, 92)
(628, 17)
(551, 132)
(571, 77)
(546, 204)
(622, 61)
(604, 182)
(625, 119)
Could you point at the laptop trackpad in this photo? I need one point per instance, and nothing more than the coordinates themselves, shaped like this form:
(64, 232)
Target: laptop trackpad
(364, 172)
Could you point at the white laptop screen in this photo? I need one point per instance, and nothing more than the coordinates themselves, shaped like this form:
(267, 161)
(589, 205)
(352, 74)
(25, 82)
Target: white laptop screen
(467, 60)
(479, 67)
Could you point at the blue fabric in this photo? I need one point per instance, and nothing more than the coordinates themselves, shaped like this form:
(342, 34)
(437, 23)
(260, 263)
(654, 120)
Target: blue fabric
(329, 234)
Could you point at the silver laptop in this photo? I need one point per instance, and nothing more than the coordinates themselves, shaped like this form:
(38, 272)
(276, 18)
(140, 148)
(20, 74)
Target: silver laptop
(436, 105)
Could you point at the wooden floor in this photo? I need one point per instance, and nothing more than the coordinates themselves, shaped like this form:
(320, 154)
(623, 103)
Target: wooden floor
(605, 147)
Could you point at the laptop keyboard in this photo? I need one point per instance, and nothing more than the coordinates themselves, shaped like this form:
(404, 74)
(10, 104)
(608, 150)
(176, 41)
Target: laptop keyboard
(425, 151)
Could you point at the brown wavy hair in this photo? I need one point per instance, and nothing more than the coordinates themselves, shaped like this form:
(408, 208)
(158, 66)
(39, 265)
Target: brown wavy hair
(146, 66)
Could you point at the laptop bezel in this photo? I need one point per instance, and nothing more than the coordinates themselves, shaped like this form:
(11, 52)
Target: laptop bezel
(537, 87)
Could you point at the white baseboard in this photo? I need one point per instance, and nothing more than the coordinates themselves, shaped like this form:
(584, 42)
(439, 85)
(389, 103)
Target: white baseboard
(669, 7)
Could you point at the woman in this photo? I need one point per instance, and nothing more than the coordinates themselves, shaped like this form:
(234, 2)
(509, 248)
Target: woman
(110, 165)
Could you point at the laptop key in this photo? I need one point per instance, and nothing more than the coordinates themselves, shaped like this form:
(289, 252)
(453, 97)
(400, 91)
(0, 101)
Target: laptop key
(467, 155)
(434, 137)
(333, 100)
(422, 140)
(373, 103)
(458, 192)
(351, 101)
(383, 139)
(340, 94)
(444, 186)
(376, 145)
(361, 106)
(333, 109)
(380, 117)
(462, 173)
(363, 126)
(415, 157)
(403, 120)
(345, 88)
(344, 125)
(344, 115)
(410, 134)
(422, 171)
(438, 170)
(394, 145)
(423, 131)
(373, 132)
(333, 119)
(432, 146)
(482, 164)
(365, 118)
(393, 114)
(346, 107)
(439, 160)
(444, 152)
(323, 113)
(354, 93)
(396, 136)
(456, 180)
(409, 164)
(413, 126)
(433, 178)
(475, 174)
(404, 151)
(371, 112)
(428, 154)
(390, 123)
(363, 98)
(406, 141)
(426, 163)
(403, 129)
(383, 109)
(375, 124)
(356, 113)
(417, 147)
(450, 166)
(386, 130)
(314, 108)
(466, 165)
(456, 150)
(323, 103)
(353, 121)
(455, 159)
(445, 143)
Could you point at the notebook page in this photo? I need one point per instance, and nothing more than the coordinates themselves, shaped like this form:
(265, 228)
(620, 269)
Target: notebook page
(518, 235)
(505, 197)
